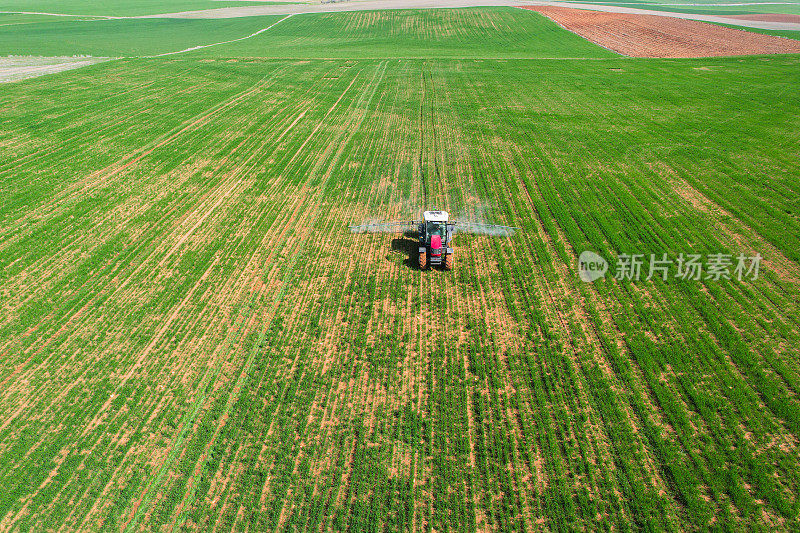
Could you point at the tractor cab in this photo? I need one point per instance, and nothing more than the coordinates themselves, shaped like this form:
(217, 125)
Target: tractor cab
(435, 233)
(436, 228)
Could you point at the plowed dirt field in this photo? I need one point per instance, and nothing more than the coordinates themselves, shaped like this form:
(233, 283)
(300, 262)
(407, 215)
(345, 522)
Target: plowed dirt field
(657, 36)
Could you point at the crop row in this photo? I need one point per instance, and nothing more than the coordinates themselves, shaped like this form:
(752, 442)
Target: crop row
(197, 341)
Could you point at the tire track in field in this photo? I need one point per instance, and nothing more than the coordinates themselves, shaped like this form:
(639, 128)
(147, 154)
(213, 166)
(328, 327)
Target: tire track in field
(602, 359)
(231, 401)
(453, 188)
(193, 289)
(204, 117)
(462, 192)
(80, 187)
(353, 127)
(132, 519)
(231, 340)
(206, 212)
(317, 209)
(199, 467)
(560, 320)
(516, 429)
(322, 408)
(209, 193)
(200, 47)
(155, 340)
(159, 334)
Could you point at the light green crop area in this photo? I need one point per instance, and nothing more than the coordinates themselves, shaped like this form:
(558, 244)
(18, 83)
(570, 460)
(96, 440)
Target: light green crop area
(123, 37)
(498, 32)
(119, 8)
(192, 340)
(486, 32)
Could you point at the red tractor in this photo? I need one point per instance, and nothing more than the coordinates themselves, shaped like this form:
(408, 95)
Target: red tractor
(435, 232)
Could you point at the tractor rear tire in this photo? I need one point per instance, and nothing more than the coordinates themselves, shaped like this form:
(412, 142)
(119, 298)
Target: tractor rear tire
(448, 262)
(423, 260)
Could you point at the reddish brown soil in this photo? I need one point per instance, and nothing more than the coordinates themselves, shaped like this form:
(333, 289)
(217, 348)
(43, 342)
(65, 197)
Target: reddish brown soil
(766, 17)
(657, 36)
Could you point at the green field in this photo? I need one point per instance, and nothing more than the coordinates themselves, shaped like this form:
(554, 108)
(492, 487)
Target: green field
(370, 34)
(191, 339)
(442, 33)
(123, 37)
(121, 8)
(14, 19)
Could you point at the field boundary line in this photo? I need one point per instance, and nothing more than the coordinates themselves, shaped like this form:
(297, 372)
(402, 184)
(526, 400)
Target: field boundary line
(407, 58)
(557, 23)
(191, 49)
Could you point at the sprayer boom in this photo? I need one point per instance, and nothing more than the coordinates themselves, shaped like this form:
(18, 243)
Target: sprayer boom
(492, 230)
(435, 232)
(385, 227)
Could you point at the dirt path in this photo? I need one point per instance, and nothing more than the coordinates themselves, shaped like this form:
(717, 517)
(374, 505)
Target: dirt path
(21, 68)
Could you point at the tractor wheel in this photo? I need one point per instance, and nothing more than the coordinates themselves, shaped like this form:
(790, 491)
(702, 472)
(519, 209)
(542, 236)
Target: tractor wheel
(448, 262)
(423, 260)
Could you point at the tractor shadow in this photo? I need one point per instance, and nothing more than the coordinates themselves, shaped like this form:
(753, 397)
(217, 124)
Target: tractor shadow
(409, 248)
